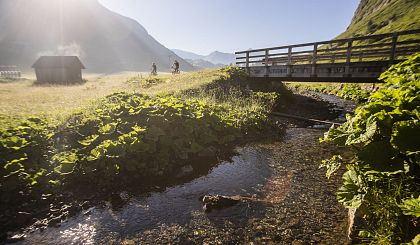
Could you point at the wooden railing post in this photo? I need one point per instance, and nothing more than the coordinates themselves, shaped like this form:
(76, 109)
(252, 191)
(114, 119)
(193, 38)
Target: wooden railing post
(247, 62)
(267, 53)
(314, 59)
(289, 62)
(348, 58)
(267, 68)
(393, 47)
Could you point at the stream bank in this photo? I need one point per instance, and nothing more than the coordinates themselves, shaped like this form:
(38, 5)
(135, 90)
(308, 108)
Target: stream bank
(296, 203)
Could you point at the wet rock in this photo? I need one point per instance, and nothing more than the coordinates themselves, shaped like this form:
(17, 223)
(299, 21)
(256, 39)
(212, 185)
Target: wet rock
(55, 221)
(23, 218)
(116, 201)
(218, 202)
(16, 238)
(85, 205)
(129, 242)
(88, 212)
(69, 209)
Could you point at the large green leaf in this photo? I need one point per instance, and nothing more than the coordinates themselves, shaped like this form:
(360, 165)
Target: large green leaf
(411, 206)
(406, 136)
(381, 156)
(353, 191)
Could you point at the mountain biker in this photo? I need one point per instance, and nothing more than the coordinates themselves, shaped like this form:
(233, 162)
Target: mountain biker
(154, 69)
(175, 67)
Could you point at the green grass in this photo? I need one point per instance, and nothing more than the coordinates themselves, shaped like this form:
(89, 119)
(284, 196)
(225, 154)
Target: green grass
(117, 129)
(21, 98)
(398, 15)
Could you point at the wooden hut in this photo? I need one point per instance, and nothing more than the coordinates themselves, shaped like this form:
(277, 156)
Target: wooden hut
(58, 69)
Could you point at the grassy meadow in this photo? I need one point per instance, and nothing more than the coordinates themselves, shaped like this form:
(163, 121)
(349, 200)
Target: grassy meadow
(20, 98)
(120, 128)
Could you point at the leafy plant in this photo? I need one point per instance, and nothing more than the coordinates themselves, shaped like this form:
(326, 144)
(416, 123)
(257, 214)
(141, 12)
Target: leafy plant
(24, 157)
(353, 92)
(384, 137)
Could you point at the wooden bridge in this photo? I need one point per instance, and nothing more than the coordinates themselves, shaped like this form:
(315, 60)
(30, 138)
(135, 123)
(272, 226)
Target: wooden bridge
(357, 59)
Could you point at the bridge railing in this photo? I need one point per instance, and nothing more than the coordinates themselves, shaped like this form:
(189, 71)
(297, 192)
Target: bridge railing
(382, 47)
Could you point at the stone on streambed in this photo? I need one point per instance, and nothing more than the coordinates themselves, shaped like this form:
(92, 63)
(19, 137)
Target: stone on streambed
(22, 218)
(16, 238)
(211, 202)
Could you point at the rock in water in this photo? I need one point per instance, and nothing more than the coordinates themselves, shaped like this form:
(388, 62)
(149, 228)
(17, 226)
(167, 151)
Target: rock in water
(23, 218)
(16, 238)
(211, 202)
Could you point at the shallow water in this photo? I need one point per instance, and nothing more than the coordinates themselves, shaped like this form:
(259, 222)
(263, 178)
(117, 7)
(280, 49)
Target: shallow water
(245, 175)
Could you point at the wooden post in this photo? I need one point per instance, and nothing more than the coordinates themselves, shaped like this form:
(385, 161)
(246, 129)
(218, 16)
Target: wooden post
(393, 47)
(267, 68)
(348, 58)
(247, 62)
(267, 53)
(289, 62)
(289, 56)
(314, 59)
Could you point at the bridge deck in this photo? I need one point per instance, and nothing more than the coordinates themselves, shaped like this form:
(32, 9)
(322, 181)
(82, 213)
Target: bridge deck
(359, 59)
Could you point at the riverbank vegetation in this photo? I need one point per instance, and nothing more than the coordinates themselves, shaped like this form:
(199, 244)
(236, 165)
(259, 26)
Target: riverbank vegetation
(128, 135)
(355, 92)
(382, 178)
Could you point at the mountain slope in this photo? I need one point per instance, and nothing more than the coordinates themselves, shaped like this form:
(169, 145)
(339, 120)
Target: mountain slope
(221, 58)
(383, 16)
(188, 55)
(216, 57)
(104, 40)
(203, 64)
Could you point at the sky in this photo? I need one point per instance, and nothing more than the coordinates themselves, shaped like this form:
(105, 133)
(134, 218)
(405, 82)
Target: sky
(204, 26)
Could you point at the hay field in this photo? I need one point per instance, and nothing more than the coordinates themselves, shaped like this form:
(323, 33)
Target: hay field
(21, 98)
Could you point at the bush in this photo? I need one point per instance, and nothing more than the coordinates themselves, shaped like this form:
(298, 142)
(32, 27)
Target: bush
(24, 153)
(146, 136)
(383, 174)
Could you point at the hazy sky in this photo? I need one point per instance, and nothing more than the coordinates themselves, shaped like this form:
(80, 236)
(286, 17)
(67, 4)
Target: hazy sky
(203, 26)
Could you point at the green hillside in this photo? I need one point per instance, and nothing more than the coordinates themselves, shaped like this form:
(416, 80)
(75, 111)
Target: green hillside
(383, 16)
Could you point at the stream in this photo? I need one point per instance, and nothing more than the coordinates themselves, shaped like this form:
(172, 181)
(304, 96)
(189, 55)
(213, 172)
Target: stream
(289, 201)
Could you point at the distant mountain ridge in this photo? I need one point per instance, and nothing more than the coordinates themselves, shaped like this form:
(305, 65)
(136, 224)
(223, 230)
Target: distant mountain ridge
(203, 64)
(216, 58)
(105, 41)
(383, 16)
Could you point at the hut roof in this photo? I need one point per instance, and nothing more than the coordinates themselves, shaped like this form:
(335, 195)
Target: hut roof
(58, 62)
